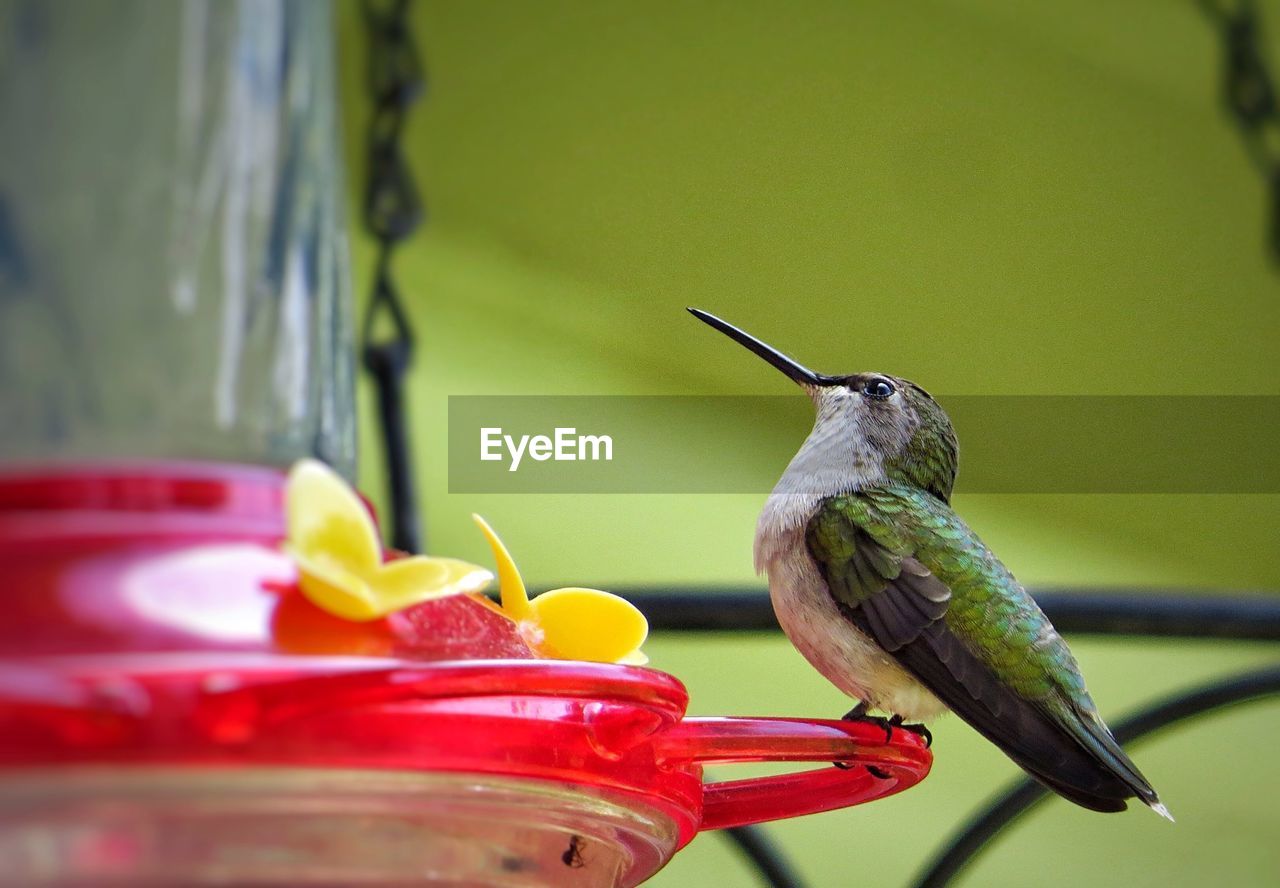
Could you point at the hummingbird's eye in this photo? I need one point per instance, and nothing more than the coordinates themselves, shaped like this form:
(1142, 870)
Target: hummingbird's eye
(877, 388)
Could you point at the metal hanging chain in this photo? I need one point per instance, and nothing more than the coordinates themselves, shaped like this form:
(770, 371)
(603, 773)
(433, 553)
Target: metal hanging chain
(1250, 96)
(392, 212)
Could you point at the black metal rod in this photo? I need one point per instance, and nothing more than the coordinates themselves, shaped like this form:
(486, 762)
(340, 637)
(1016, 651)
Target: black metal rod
(1155, 613)
(387, 362)
(1026, 794)
(768, 859)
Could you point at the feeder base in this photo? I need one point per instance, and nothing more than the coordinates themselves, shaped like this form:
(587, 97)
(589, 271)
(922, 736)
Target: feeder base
(156, 826)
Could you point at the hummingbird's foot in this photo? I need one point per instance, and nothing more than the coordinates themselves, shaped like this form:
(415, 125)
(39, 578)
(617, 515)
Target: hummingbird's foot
(918, 729)
(859, 714)
(871, 769)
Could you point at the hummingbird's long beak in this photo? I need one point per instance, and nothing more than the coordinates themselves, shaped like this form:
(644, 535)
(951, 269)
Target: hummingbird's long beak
(798, 372)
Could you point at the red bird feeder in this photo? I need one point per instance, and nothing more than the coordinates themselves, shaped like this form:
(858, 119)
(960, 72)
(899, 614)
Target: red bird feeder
(158, 723)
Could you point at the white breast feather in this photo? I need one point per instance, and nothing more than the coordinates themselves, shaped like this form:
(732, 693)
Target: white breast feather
(827, 464)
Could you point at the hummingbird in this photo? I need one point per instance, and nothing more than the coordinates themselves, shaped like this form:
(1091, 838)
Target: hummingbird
(888, 593)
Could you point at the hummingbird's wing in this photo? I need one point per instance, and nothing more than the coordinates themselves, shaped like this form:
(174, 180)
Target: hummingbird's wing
(911, 574)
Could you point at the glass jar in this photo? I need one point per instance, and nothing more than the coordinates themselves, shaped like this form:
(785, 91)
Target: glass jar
(173, 262)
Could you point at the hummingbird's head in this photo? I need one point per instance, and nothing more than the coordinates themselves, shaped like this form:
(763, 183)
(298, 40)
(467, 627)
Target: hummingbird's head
(870, 427)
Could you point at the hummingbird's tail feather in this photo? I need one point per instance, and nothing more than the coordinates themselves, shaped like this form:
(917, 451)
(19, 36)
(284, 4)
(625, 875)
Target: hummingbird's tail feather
(1097, 738)
(1071, 794)
(1082, 765)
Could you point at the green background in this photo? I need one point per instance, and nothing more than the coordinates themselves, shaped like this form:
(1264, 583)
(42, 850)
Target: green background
(987, 197)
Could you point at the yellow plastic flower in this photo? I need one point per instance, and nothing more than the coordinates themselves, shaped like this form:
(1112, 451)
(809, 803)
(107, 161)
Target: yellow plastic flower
(569, 624)
(332, 539)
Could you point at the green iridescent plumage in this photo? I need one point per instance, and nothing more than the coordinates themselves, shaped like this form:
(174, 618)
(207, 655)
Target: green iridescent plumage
(910, 573)
(988, 609)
